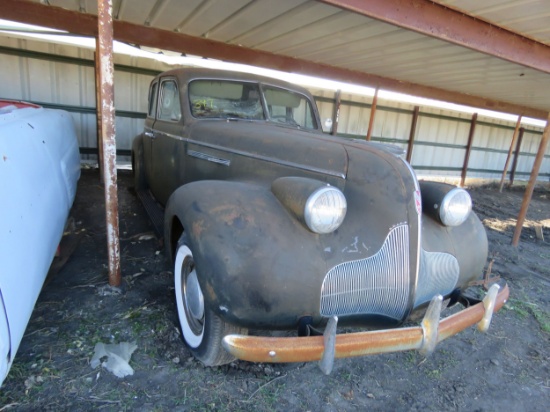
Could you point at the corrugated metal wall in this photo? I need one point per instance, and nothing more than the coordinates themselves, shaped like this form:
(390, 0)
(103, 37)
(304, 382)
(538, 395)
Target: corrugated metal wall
(63, 76)
(441, 136)
(70, 84)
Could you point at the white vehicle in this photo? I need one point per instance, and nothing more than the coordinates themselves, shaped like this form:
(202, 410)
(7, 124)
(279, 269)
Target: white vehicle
(39, 170)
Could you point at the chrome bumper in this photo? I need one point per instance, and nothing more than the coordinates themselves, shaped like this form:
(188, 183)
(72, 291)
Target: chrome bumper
(330, 346)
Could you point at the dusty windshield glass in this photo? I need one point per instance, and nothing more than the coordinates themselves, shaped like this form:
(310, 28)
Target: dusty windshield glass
(290, 108)
(225, 99)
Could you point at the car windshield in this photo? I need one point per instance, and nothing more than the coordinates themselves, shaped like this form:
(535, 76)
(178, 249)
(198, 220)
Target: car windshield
(288, 107)
(225, 99)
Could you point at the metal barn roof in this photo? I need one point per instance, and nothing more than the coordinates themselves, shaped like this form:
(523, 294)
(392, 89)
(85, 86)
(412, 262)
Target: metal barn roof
(493, 54)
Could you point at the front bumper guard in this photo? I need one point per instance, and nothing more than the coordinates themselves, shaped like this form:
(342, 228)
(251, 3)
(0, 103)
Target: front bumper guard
(330, 346)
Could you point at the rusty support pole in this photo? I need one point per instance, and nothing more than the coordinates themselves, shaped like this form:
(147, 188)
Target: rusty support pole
(98, 110)
(372, 113)
(468, 149)
(105, 29)
(413, 132)
(336, 112)
(512, 144)
(532, 180)
(516, 156)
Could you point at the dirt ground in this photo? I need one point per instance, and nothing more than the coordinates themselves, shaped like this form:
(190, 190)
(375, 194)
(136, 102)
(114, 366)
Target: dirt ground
(506, 369)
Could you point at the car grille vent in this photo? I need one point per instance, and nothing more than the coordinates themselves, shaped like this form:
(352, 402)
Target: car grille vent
(375, 285)
(438, 274)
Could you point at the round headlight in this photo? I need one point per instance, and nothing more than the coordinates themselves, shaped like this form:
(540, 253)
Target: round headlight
(325, 210)
(455, 207)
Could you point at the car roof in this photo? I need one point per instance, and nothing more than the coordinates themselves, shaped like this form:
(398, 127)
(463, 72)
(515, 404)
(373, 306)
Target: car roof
(187, 74)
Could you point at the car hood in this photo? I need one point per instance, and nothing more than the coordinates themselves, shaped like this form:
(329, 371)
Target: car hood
(278, 144)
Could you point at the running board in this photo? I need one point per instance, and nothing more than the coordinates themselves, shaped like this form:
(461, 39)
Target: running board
(154, 210)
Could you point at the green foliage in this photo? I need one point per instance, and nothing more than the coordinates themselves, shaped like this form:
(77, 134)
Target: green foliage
(523, 309)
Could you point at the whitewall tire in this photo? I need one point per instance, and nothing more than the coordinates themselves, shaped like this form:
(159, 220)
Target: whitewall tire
(202, 329)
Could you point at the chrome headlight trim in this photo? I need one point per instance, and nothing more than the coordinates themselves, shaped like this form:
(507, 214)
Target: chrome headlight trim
(325, 210)
(455, 207)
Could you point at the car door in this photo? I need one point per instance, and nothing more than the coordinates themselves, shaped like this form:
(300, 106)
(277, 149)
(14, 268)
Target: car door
(148, 131)
(167, 143)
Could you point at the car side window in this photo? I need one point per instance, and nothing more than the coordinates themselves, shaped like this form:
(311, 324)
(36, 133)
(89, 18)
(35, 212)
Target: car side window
(153, 100)
(170, 108)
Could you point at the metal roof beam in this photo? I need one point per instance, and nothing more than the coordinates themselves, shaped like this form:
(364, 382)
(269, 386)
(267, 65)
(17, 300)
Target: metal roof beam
(86, 24)
(444, 23)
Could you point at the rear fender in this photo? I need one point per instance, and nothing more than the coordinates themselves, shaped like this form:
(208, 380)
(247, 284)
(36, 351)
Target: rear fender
(138, 163)
(137, 148)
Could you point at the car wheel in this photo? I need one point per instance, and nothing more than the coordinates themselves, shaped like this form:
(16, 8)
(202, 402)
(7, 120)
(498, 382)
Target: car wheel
(202, 329)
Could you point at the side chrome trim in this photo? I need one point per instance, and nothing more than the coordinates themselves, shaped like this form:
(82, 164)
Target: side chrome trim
(173, 136)
(257, 157)
(269, 159)
(419, 222)
(210, 158)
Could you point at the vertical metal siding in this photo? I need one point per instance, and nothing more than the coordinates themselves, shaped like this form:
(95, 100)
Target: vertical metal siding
(530, 145)
(73, 85)
(441, 136)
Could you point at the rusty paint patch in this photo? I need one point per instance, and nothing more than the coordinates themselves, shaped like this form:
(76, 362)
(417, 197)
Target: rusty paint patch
(197, 228)
(211, 293)
(233, 216)
(222, 208)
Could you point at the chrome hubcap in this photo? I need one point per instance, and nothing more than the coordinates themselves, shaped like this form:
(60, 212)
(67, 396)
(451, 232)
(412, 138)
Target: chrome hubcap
(193, 296)
(193, 300)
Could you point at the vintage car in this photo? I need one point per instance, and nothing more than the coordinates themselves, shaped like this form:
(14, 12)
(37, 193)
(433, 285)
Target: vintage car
(39, 171)
(273, 225)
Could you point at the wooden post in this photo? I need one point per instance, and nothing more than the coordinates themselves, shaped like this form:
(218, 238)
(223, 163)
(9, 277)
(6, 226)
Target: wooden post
(336, 112)
(532, 180)
(372, 113)
(516, 156)
(468, 149)
(412, 133)
(512, 144)
(105, 30)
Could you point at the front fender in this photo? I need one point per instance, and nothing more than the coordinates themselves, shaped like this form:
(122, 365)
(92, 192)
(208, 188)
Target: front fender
(257, 265)
(467, 242)
(451, 257)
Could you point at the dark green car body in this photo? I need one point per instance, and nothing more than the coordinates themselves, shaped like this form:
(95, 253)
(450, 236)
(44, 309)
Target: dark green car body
(223, 178)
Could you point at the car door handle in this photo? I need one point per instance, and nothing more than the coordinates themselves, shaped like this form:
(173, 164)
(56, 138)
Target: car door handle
(149, 134)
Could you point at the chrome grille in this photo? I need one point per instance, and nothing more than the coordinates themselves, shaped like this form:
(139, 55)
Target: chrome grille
(438, 274)
(375, 285)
